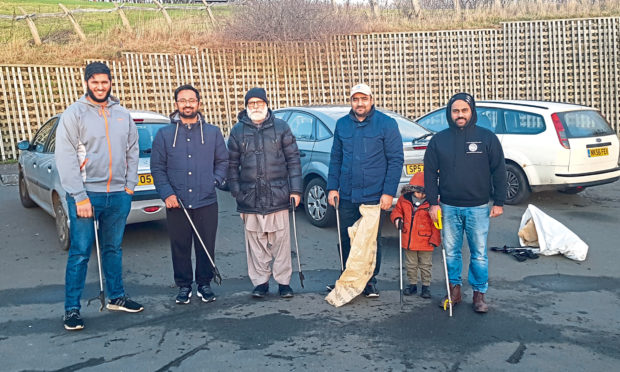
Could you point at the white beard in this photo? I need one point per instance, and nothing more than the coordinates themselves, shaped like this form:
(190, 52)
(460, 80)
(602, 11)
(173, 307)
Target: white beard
(257, 115)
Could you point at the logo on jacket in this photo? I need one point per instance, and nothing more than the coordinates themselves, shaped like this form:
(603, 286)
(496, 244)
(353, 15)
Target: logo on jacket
(472, 148)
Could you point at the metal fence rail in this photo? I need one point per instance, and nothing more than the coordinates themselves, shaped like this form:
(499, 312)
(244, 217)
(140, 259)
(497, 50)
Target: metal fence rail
(573, 61)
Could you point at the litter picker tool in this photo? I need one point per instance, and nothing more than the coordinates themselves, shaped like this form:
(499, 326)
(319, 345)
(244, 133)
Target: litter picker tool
(337, 200)
(399, 222)
(301, 274)
(101, 296)
(448, 302)
(217, 278)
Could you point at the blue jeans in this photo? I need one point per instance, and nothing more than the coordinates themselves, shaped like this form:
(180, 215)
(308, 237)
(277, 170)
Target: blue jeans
(111, 210)
(349, 213)
(474, 222)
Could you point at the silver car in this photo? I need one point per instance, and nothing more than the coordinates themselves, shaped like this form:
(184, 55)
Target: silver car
(314, 127)
(39, 183)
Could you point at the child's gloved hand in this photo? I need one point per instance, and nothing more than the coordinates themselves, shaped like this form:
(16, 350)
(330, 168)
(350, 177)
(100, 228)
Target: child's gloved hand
(398, 223)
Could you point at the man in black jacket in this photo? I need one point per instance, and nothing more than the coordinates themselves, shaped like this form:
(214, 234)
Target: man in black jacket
(468, 161)
(264, 174)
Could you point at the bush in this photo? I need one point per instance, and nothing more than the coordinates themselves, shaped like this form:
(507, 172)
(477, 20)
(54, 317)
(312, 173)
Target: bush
(289, 20)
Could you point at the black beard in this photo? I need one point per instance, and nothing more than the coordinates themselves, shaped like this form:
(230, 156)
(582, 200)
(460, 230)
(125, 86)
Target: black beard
(192, 116)
(92, 96)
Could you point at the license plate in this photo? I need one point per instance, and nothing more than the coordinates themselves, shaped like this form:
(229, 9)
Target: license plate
(145, 179)
(598, 151)
(414, 168)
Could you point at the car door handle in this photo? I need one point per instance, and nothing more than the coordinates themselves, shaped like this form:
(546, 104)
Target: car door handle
(34, 165)
(302, 154)
(49, 169)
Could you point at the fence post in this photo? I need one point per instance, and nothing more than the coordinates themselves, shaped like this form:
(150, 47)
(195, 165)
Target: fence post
(32, 26)
(121, 13)
(76, 26)
(209, 12)
(165, 13)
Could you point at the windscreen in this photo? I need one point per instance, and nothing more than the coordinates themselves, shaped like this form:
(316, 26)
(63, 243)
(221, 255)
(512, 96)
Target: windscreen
(585, 123)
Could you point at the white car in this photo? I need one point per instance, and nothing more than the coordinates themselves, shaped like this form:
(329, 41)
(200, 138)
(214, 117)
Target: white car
(39, 183)
(547, 145)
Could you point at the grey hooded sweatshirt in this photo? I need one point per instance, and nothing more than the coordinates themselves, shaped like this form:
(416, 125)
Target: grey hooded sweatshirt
(96, 148)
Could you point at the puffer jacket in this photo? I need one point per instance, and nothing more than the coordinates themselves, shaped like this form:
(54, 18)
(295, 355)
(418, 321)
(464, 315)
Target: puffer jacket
(419, 233)
(264, 167)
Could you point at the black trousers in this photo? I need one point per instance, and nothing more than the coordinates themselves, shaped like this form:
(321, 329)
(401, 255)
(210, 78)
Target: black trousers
(181, 238)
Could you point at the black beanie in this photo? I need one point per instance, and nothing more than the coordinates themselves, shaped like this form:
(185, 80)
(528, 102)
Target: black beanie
(256, 93)
(469, 100)
(96, 68)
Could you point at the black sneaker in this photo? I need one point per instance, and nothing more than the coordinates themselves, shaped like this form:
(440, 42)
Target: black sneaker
(204, 291)
(426, 292)
(124, 304)
(260, 291)
(72, 320)
(185, 293)
(330, 287)
(371, 291)
(285, 290)
(410, 290)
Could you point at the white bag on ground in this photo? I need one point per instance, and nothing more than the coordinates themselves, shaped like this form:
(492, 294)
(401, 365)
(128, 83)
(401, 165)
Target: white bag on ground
(553, 237)
(361, 262)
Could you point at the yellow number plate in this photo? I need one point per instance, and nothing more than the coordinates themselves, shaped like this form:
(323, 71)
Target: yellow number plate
(414, 168)
(145, 179)
(599, 151)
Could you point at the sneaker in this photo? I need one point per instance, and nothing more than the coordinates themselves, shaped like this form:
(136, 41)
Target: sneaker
(260, 291)
(185, 293)
(371, 291)
(124, 304)
(410, 290)
(285, 290)
(426, 291)
(330, 287)
(204, 291)
(72, 320)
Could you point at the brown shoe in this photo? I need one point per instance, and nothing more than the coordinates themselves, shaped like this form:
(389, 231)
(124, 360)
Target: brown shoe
(479, 305)
(455, 295)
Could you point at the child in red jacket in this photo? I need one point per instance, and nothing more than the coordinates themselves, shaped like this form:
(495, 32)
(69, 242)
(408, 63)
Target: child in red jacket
(419, 235)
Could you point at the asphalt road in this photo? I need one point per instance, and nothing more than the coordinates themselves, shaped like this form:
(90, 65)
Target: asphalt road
(548, 314)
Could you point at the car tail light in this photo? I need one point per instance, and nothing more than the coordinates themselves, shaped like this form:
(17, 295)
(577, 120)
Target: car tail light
(151, 209)
(559, 129)
(419, 147)
(138, 120)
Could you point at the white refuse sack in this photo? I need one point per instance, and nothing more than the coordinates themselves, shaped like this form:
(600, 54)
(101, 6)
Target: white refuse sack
(553, 236)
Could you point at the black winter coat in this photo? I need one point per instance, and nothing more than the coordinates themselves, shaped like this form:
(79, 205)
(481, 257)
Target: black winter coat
(264, 167)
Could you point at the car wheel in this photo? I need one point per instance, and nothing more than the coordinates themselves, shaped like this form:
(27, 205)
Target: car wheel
(315, 202)
(62, 225)
(24, 196)
(572, 190)
(517, 189)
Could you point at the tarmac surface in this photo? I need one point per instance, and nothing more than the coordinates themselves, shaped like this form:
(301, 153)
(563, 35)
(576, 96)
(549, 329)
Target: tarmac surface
(547, 314)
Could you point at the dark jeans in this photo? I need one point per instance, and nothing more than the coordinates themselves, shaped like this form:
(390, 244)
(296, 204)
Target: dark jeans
(349, 213)
(181, 237)
(111, 210)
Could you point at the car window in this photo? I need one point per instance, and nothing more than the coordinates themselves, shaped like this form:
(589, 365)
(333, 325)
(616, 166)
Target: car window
(519, 122)
(51, 144)
(322, 131)
(281, 114)
(302, 126)
(38, 142)
(435, 121)
(586, 123)
(488, 118)
(146, 135)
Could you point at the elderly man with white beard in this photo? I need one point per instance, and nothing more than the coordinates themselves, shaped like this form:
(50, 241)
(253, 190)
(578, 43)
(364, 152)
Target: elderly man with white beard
(264, 175)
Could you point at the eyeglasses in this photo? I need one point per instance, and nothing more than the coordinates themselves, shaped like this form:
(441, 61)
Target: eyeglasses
(191, 101)
(257, 104)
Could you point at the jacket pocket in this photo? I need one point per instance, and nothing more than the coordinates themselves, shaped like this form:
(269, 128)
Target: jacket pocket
(246, 198)
(279, 193)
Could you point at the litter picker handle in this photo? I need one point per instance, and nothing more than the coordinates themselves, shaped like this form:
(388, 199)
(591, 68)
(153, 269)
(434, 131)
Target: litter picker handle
(438, 224)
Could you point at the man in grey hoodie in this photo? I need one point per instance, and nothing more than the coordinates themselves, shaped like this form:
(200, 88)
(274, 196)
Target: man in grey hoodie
(97, 161)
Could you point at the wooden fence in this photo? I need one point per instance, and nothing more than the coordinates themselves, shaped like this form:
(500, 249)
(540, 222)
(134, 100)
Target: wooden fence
(573, 61)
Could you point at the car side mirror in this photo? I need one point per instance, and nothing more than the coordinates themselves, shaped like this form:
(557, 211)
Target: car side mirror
(23, 145)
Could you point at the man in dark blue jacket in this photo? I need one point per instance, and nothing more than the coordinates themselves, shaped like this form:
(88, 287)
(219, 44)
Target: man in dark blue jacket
(468, 161)
(189, 159)
(364, 168)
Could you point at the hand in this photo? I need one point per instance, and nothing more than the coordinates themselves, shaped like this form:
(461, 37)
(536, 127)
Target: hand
(398, 223)
(84, 210)
(433, 212)
(332, 196)
(172, 202)
(297, 199)
(497, 211)
(386, 201)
